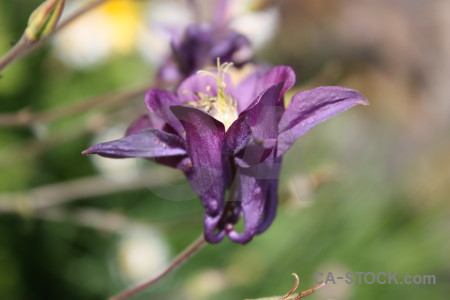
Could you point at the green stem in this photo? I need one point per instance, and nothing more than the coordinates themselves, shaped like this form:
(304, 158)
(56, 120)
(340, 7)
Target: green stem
(25, 47)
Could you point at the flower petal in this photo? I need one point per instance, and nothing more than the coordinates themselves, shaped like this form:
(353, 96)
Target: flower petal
(148, 143)
(246, 91)
(276, 75)
(253, 135)
(237, 136)
(258, 193)
(255, 152)
(192, 49)
(204, 83)
(252, 194)
(212, 232)
(234, 48)
(210, 176)
(180, 162)
(273, 166)
(145, 121)
(262, 115)
(270, 206)
(255, 84)
(309, 108)
(159, 102)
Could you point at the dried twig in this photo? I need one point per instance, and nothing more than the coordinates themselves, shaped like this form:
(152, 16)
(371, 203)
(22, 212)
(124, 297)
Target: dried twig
(290, 295)
(294, 288)
(308, 292)
(26, 118)
(61, 193)
(14, 53)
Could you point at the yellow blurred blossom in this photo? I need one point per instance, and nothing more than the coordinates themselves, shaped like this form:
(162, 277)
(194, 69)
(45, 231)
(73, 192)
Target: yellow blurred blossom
(112, 28)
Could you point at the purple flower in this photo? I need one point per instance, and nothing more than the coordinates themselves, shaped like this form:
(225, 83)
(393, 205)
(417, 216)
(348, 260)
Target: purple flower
(199, 46)
(229, 138)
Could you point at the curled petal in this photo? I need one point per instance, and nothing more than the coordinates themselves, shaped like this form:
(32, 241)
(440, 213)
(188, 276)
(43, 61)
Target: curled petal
(252, 192)
(213, 234)
(270, 206)
(271, 203)
(148, 143)
(309, 108)
(252, 208)
(258, 193)
(204, 138)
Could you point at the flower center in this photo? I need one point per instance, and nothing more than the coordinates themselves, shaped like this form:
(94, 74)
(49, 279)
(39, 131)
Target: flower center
(222, 106)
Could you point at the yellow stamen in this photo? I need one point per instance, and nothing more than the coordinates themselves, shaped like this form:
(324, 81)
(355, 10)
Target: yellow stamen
(223, 106)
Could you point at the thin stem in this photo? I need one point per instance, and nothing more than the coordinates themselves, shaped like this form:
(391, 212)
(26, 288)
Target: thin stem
(60, 193)
(44, 141)
(193, 248)
(66, 111)
(25, 47)
(15, 52)
(100, 220)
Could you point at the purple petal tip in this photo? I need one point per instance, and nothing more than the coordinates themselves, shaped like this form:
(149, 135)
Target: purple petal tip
(364, 101)
(87, 151)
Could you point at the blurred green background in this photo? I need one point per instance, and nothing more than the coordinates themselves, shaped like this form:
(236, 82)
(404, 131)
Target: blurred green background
(367, 191)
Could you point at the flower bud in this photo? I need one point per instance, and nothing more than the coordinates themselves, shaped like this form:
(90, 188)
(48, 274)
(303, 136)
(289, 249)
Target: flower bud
(44, 19)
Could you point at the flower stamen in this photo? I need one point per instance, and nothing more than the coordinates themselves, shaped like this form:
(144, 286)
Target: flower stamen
(221, 106)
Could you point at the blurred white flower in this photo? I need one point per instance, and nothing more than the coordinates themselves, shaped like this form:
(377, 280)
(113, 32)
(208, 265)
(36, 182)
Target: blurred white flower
(252, 19)
(142, 253)
(205, 284)
(165, 20)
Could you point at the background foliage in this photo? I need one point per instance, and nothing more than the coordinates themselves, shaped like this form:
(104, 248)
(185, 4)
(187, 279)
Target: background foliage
(365, 192)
